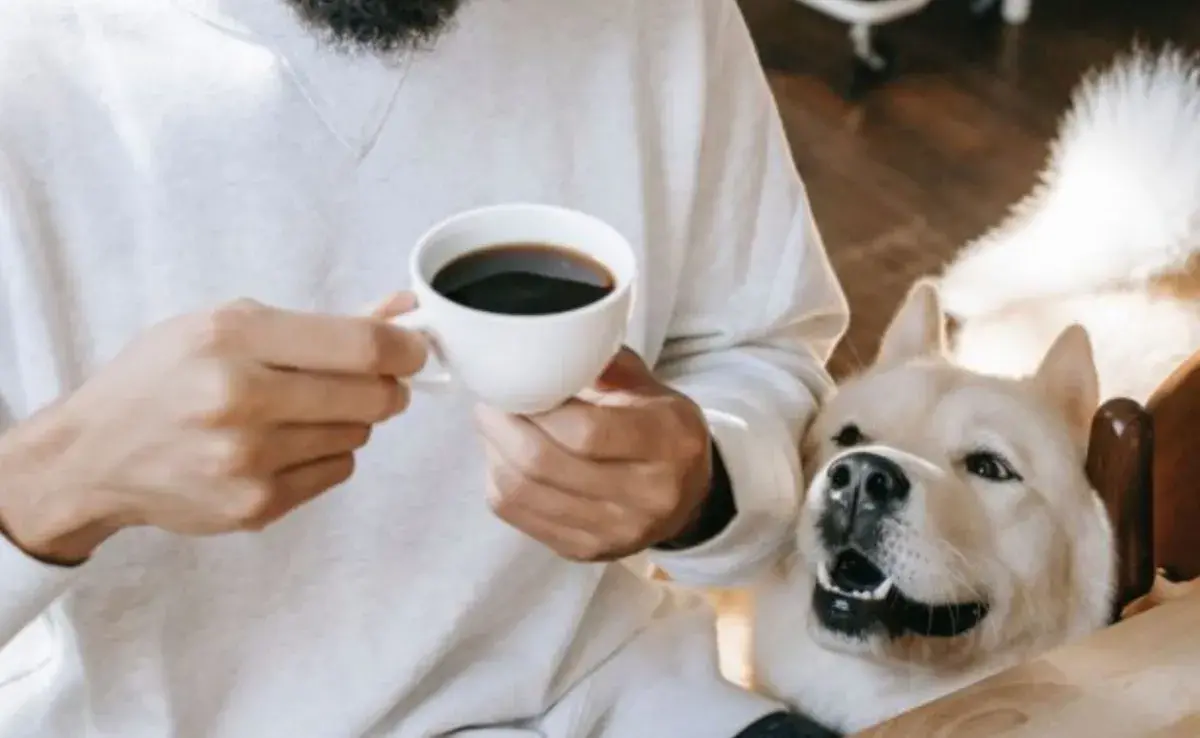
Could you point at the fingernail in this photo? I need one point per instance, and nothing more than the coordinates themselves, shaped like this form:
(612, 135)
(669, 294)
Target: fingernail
(394, 304)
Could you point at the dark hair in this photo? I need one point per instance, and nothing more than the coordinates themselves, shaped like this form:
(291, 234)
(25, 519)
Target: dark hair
(381, 25)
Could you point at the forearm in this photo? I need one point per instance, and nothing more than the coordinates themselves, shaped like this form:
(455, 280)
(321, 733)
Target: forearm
(43, 528)
(40, 518)
(44, 507)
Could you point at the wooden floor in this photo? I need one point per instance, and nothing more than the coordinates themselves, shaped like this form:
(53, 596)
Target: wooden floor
(902, 179)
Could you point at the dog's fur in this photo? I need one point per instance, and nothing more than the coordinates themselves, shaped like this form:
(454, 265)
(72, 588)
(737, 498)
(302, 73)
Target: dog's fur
(1110, 239)
(1036, 550)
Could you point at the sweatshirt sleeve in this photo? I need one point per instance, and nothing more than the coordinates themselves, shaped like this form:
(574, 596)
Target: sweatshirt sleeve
(759, 314)
(27, 586)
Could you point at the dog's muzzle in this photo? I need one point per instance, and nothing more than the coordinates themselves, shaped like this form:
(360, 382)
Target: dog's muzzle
(862, 488)
(853, 595)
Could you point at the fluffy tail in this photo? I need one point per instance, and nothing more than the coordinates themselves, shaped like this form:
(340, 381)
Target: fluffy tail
(1118, 201)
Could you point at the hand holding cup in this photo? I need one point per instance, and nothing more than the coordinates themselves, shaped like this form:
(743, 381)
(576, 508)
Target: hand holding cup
(605, 479)
(211, 422)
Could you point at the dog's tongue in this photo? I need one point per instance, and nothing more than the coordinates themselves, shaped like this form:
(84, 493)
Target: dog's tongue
(852, 572)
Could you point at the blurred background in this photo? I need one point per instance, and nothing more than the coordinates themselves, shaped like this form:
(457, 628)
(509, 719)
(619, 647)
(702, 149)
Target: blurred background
(923, 162)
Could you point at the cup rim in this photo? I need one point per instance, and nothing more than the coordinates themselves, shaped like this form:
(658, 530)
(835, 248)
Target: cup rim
(622, 283)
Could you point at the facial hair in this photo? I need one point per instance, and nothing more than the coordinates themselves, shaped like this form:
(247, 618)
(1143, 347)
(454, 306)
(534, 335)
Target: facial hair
(386, 26)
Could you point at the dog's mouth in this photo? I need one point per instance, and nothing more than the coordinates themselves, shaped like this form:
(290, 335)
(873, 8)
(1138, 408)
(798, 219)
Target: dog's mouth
(854, 576)
(854, 597)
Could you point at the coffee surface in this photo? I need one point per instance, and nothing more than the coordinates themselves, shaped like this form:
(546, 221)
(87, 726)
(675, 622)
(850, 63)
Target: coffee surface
(524, 279)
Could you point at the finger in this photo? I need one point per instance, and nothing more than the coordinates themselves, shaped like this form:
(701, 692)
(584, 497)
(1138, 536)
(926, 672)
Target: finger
(315, 342)
(260, 505)
(299, 484)
(293, 445)
(513, 496)
(395, 304)
(601, 432)
(523, 446)
(573, 544)
(276, 396)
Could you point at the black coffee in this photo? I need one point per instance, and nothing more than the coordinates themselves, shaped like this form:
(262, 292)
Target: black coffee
(524, 279)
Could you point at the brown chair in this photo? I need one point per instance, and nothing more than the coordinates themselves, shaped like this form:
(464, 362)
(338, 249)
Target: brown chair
(1145, 463)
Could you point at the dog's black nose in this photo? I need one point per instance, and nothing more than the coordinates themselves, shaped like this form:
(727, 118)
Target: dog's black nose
(863, 489)
(881, 479)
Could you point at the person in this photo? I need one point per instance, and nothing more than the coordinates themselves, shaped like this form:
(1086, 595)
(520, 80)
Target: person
(223, 513)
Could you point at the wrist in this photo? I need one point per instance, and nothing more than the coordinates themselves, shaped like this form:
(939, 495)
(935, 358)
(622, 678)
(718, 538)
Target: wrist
(44, 511)
(51, 530)
(715, 512)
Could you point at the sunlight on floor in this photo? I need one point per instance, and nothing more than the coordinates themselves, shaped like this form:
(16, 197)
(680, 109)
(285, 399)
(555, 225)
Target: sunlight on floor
(733, 634)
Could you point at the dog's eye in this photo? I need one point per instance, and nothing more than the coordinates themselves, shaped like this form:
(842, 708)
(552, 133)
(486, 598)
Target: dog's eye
(849, 436)
(990, 466)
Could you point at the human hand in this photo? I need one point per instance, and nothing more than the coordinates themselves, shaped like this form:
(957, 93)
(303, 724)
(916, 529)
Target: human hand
(207, 423)
(601, 480)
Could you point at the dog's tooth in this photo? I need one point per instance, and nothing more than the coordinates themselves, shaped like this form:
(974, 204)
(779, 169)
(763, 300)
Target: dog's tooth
(882, 590)
(823, 576)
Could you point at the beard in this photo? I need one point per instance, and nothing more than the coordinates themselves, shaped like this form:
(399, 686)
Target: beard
(378, 25)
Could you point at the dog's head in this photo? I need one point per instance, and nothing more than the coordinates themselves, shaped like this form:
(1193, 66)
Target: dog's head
(948, 515)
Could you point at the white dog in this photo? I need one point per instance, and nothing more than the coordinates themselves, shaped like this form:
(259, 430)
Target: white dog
(948, 531)
(1109, 240)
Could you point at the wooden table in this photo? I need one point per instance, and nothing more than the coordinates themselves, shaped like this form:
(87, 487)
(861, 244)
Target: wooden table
(1137, 679)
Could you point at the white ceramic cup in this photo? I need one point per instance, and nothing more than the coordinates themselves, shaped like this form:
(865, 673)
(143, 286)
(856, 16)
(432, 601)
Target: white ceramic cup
(521, 364)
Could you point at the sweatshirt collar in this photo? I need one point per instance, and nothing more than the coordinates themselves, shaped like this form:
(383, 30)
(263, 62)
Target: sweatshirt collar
(353, 94)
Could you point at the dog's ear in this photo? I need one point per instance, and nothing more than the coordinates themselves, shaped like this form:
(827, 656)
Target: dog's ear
(1068, 376)
(917, 329)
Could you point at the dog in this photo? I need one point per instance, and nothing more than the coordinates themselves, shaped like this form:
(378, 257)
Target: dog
(948, 530)
(1109, 239)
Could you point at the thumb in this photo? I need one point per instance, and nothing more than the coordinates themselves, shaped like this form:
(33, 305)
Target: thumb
(626, 371)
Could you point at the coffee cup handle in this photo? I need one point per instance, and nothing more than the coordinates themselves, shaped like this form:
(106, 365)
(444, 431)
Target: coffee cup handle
(430, 378)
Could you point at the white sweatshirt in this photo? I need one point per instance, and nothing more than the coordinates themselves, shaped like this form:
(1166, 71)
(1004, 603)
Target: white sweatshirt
(162, 156)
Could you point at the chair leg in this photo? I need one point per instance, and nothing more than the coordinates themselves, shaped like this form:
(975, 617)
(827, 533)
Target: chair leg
(873, 60)
(1016, 11)
(1120, 463)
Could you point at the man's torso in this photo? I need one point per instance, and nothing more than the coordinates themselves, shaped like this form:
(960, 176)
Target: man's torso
(161, 158)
